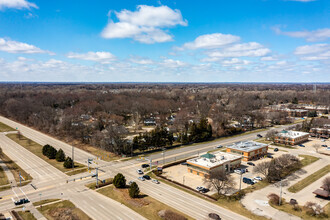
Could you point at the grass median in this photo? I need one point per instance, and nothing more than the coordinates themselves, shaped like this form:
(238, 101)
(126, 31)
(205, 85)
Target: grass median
(27, 215)
(5, 128)
(36, 149)
(46, 201)
(63, 210)
(3, 177)
(15, 169)
(309, 180)
(144, 205)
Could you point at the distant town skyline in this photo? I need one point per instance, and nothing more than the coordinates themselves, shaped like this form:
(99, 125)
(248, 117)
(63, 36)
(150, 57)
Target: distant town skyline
(165, 41)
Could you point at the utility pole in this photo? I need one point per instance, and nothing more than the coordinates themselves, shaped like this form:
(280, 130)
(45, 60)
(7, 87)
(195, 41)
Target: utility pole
(279, 202)
(72, 157)
(97, 177)
(150, 160)
(240, 182)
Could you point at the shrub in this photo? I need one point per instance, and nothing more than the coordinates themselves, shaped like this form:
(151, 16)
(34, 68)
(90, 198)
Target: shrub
(313, 209)
(119, 181)
(273, 198)
(45, 149)
(60, 155)
(68, 163)
(134, 190)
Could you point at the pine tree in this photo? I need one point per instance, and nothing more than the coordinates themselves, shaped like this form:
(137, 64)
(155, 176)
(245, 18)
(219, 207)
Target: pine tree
(134, 190)
(60, 155)
(68, 163)
(119, 181)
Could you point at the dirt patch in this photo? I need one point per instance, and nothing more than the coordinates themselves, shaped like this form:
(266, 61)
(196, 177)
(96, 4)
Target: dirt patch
(63, 214)
(139, 202)
(169, 215)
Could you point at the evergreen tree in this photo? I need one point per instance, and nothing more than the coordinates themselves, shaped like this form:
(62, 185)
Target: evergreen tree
(68, 163)
(45, 149)
(52, 153)
(134, 190)
(119, 181)
(60, 155)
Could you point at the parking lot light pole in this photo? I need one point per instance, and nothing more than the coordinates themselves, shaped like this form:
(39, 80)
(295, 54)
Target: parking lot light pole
(240, 182)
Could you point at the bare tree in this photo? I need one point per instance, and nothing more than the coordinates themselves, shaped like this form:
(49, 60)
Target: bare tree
(262, 168)
(271, 135)
(221, 181)
(326, 184)
(316, 147)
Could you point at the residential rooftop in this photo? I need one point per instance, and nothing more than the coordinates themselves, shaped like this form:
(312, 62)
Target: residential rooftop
(292, 134)
(212, 160)
(247, 146)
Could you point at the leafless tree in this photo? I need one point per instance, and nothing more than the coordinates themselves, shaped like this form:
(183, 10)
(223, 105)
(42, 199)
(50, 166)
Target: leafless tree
(271, 135)
(316, 147)
(221, 181)
(262, 168)
(326, 184)
(313, 209)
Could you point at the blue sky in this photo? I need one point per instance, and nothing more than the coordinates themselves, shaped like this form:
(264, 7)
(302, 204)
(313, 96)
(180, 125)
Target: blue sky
(165, 41)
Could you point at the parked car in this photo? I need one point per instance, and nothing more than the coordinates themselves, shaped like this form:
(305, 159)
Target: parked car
(146, 177)
(238, 171)
(141, 178)
(276, 149)
(145, 165)
(259, 135)
(244, 170)
(199, 188)
(324, 145)
(248, 181)
(269, 156)
(204, 190)
(257, 178)
(250, 163)
(139, 171)
(155, 181)
(301, 145)
(184, 163)
(220, 146)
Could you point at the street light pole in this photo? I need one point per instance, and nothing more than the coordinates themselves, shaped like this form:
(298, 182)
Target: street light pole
(72, 156)
(240, 182)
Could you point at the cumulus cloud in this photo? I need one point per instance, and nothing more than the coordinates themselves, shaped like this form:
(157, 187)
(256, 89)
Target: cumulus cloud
(313, 52)
(170, 63)
(268, 58)
(236, 61)
(19, 47)
(145, 25)
(100, 56)
(17, 4)
(142, 61)
(310, 36)
(210, 41)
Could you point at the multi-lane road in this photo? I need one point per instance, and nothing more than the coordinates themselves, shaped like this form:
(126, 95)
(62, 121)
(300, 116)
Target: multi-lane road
(51, 183)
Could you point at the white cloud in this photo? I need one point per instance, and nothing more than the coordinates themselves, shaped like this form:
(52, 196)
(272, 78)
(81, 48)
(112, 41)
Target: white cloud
(268, 58)
(210, 41)
(311, 36)
(17, 4)
(19, 47)
(142, 61)
(313, 52)
(100, 56)
(145, 24)
(236, 61)
(170, 63)
(251, 49)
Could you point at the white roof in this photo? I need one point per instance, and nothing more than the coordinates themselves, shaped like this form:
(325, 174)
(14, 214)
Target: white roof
(292, 134)
(218, 159)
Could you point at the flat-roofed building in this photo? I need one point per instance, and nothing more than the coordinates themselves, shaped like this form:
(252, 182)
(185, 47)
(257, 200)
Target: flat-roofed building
(208, 163)
(250, 150)
(291, 137)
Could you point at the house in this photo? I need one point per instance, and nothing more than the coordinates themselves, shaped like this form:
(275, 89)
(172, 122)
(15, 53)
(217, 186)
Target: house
(291, 137)
(208, 163)
(250, 150)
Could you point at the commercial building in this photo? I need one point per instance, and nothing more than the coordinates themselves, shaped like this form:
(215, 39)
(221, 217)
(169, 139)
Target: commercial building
(250, 150)
(208, 163)
(291, 137)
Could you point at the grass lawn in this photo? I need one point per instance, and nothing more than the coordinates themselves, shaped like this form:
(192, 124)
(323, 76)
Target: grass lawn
(286, 207)
(307, 159)
(4, 127)
(3, 177)
(26, 215)
(145, 205)
(42, 202)
(37, 150)
(15, 169)
(234, 206)
(309, 180)
(64, 207)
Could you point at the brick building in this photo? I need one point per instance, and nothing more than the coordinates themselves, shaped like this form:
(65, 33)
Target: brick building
(291, 137)
(250, 150)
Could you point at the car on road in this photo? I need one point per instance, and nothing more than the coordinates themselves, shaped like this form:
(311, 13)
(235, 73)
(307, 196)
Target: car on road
(301, 145)
(220, 146)
(204, 190)
(269, 156)
(259, 135)
(155, 181)
(257, 178)
(145, 165)
(214, 216)
(146, 177)
(21, 201)
(141, 178)
(324, 145)
(276, 149)
(250, 163)
(139, 171)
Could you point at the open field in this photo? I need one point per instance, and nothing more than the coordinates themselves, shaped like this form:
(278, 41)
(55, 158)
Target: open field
(5, 128)
(145, 205)
(307, 159)
(309, 180)
(37, 150)
(15, 169)
(3, 177)
(62, 210)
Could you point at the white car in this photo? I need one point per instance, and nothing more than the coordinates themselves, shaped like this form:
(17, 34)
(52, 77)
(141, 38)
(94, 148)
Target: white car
(139, 171)
(257, 178)
(238, 171)
(155, 181)
(141, 178)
